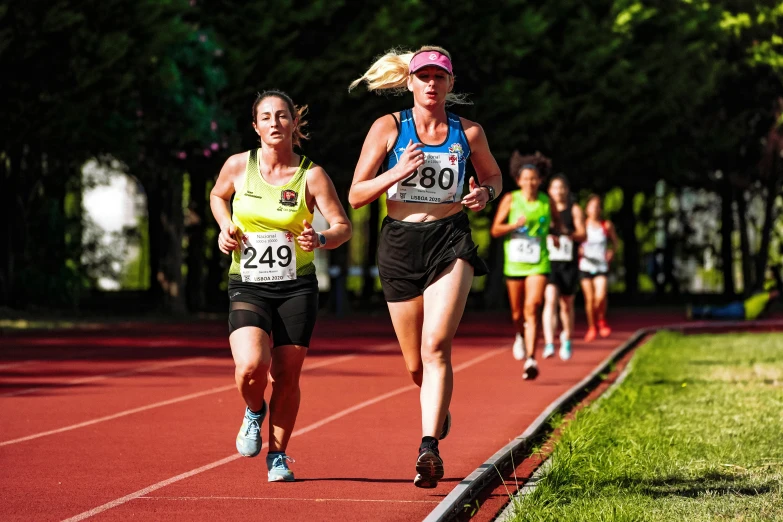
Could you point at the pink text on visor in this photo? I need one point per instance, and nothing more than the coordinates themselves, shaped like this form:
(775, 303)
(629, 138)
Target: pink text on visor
(430, 58)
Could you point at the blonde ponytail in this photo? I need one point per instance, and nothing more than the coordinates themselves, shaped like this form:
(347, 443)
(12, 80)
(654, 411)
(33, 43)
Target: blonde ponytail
(390, 73)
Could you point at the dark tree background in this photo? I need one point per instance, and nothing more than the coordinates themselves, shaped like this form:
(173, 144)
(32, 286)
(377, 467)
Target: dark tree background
(627, 97)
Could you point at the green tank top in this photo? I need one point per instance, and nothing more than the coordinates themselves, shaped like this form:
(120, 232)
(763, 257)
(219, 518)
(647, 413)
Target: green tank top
(525, 249)
(262, 207)
(756, 304)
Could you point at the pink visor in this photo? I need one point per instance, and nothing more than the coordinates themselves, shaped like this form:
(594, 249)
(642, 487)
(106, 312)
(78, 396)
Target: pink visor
(430, 58)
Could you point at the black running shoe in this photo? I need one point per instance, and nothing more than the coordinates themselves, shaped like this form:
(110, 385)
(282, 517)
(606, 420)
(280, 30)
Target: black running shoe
(429, 469)
(446, 426)
(531, 369)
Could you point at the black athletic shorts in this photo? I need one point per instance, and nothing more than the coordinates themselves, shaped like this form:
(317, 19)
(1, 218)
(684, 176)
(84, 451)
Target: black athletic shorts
(565, 276)
(589, 275)
(412, 254)
(287, 319)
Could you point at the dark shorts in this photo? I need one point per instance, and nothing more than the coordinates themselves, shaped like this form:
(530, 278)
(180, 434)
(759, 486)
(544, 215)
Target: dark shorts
(411, 255)
(589, 275)
(522, 278)
(565, 276)
(287, 320)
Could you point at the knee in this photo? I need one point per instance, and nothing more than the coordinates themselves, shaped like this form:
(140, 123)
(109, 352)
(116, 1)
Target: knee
(416, 372)
(531, 308)
(249, 371)
(516, 314)
(435, 350)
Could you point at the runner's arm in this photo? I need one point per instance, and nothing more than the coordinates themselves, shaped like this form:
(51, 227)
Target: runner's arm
(580, 233)
(487, 169)
(499, 226)
(366, 186)
(220, 201)
(324, 195)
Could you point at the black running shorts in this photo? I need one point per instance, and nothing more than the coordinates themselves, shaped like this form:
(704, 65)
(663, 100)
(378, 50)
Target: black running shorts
(565, 276)
(412, 254)
(287, 319)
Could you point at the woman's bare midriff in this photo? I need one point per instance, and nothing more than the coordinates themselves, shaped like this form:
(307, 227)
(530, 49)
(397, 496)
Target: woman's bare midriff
(421, 212)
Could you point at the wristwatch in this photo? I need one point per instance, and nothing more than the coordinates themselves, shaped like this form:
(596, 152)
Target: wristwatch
(321, 239)
(490, 191)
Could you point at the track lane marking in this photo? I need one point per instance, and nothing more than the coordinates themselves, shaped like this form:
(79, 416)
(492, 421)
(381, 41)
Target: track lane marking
(163, 483)
(176, 400)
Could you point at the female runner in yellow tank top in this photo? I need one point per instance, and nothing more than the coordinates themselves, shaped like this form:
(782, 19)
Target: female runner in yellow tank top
(272, 285)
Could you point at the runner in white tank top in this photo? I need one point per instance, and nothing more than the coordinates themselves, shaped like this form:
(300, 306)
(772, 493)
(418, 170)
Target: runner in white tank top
(595, 256)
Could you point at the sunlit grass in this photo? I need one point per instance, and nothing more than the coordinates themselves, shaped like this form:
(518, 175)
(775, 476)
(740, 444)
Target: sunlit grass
(694, 433)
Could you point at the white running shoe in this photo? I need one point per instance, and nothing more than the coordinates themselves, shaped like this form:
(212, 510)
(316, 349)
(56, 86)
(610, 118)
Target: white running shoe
(531, 369)
(519, 348)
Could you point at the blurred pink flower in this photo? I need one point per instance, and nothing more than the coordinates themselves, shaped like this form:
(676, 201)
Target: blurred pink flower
(192, 3)
(202, 37)
(214, 146)
(213, 125)
(207, 153)
(224, 144)
(182, 154)
(139, 113)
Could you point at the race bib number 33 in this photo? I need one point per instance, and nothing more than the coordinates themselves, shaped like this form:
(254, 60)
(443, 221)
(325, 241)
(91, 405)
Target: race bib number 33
(434, 182)
(268, 256)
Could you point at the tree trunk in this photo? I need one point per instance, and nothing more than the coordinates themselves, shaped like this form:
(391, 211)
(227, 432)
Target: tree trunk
(748, 281)
(372, 247)
(195, 221)
(627, 229)
(172, 256)
(726, 251)
(773, 189)
(9, 177)
(155, 235)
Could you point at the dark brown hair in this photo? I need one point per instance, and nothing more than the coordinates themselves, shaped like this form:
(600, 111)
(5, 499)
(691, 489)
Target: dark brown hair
(537, 162)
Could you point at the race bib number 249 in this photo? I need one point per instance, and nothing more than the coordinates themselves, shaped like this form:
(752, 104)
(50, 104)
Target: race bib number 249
(268, 256)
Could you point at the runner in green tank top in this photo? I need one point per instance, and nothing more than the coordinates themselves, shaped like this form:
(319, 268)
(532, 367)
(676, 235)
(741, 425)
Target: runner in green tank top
(272, 288)
(525, 219)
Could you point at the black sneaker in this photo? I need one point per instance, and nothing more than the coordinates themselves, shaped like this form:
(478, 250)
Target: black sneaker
(446, 426)
(429, 469)
(531, 369)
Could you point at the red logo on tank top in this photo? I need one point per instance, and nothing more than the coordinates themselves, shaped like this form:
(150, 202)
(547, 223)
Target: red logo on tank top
(289, 236)
(288, 197)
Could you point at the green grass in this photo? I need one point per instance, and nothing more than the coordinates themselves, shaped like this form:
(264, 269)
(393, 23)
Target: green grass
(694, 433)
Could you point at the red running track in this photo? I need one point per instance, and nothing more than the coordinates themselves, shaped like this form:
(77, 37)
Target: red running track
(139, 422)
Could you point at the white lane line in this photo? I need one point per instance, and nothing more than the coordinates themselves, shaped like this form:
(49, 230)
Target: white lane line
(297, 499)
(162, 484)
(175, 400)
(94, 378)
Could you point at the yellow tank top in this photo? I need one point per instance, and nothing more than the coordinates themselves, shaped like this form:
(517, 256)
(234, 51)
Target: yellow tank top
(262, 207)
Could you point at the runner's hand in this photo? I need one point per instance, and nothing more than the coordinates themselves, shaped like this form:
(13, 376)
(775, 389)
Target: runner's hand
(521, 221)
(609, 256)
(307, 241)
(477, 198)
(555, 240)
(410, 160)
(227, 242)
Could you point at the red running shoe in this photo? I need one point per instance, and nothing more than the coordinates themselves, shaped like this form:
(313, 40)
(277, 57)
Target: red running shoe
(603, 329)
(590, 335)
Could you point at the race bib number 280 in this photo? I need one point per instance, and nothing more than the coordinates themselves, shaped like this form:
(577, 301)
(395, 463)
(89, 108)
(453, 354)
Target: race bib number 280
(434, 182)
(268, 256)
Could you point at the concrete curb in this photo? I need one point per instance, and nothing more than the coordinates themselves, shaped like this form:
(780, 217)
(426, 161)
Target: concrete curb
(463, 495)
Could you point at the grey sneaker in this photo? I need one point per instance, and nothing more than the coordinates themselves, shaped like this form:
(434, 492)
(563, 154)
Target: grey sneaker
(249, 436)
(277, 464)
(429, 469)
